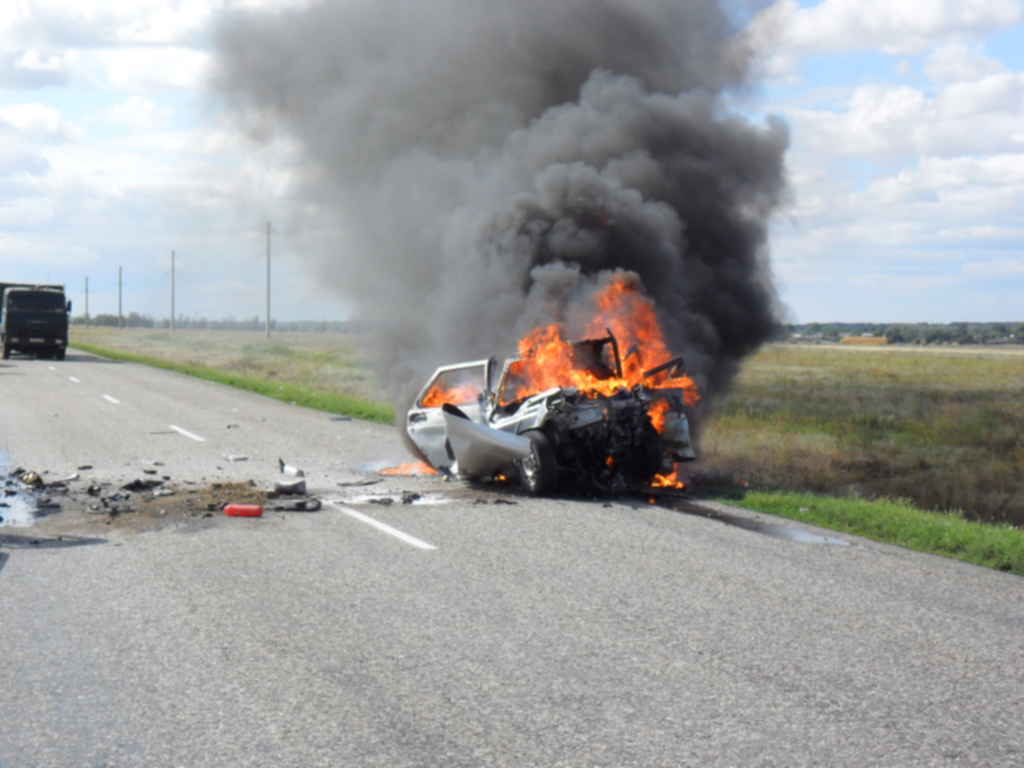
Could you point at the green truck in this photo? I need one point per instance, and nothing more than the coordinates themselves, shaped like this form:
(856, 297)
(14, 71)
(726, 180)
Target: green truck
(34, 319)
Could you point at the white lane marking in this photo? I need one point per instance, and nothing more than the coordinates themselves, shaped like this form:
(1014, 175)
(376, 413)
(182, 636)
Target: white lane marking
(110, 399)
(187, 434)
(73, 380)
(51, 368)
(384, 527)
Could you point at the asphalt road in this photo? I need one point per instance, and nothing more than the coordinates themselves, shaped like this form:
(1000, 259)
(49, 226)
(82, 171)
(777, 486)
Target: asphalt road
(461, 632)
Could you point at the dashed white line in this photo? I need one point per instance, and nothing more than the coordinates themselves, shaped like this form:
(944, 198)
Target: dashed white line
(186, 433)
(110, 399)
(384, 527)
(74, 380)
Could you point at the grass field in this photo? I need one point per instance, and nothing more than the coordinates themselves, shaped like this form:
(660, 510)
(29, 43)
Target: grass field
(939, 427)
(325, 362)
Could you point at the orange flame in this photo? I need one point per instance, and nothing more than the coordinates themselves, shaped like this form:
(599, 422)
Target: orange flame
(670, 480)
(547, 359)
(437, 395)
(409, 469)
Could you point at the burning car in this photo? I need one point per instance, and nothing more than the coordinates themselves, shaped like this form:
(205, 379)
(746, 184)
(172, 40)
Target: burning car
(562, 416)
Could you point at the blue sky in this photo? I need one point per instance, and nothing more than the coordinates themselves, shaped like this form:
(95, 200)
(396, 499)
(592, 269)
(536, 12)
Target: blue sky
(906, 164)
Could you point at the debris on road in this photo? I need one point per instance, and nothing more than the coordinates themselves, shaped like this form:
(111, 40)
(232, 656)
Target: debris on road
(311, 504)
(232, 457)
(360, 483)
(243, 510)
(142, 485)
(288, 469)
(31, 479)
(296, 487)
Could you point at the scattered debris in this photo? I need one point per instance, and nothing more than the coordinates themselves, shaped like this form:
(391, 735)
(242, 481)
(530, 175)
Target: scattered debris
(94, 490)
(149, 471)
(360, 483)
(142, 485)
(232, 426)
(84, 467)
(408, 497)
(341, 418)
(162, 492)
(296, 487)
(312, 504)
(384, 501)
(288, 469)
(71, 478)
(31, 478)
(243, 510)
(235, 457)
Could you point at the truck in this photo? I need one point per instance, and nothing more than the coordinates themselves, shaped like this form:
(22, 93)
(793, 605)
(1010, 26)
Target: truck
(34, 319)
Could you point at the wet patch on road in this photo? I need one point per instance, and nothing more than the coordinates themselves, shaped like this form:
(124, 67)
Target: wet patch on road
(774, 530)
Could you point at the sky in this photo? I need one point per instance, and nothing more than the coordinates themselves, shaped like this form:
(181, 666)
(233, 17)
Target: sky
(906, 163)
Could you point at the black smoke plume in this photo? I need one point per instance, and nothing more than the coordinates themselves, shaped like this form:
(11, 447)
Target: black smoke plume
(492, 162)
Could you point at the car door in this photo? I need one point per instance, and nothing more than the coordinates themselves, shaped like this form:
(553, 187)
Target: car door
(462, 385)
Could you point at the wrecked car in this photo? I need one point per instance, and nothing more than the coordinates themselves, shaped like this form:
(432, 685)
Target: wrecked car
(564, 417)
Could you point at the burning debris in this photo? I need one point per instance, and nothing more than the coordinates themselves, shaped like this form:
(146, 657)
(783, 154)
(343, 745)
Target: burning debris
(412, 468)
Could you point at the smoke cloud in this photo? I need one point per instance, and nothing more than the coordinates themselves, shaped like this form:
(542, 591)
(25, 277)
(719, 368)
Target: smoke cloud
(492, 163)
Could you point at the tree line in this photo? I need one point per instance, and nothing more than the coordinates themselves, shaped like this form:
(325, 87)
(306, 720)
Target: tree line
(912, 333)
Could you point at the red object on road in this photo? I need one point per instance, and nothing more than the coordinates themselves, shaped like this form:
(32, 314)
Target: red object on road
(243, 510)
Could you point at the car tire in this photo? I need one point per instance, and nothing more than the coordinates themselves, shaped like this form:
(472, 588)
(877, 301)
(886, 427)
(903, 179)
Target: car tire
(538, 473)
(59, 355)
(7, 352)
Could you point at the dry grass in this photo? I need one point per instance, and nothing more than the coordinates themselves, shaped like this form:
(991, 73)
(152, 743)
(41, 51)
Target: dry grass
(325, 362)
(942, 430)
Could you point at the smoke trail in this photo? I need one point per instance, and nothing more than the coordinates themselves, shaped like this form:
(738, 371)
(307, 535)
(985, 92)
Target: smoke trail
(493, 162)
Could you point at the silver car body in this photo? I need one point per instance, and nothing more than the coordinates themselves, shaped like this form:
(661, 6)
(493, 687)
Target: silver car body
(478, 439)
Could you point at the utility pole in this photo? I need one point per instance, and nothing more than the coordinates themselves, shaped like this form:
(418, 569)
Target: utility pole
(120, 316)
(172, 291)
(87, 301)
(268, 281)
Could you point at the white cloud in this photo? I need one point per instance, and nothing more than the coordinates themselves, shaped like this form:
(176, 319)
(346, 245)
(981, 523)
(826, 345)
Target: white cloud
(137, 113)
(143, 69)
(37, 122)
(786, 31)
(958, 62)
(885, 120)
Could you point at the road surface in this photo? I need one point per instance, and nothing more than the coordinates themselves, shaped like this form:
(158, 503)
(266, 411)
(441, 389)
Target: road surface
(460, 632)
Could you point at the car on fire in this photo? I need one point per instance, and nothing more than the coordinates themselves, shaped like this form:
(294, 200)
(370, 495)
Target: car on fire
(601, 431)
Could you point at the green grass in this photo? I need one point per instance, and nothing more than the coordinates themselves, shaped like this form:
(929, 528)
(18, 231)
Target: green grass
(898, 522)
(943, 428)
(290, 392)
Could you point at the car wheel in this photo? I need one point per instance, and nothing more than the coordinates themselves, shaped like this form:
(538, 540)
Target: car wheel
(7, 352)
(60, 354)
(538, 471)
